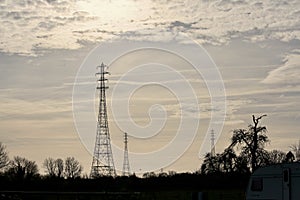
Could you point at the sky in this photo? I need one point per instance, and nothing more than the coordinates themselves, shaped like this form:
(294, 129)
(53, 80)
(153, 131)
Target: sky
(49, 50)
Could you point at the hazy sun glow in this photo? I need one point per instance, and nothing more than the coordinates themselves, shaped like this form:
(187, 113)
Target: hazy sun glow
(114, 11)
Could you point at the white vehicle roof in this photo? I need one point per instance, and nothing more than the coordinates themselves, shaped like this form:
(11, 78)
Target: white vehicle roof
(277, 169)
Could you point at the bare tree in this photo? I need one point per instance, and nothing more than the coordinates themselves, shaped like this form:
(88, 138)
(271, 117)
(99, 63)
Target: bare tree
(4, 160)
(73, 168)
(22, 168)
(54, 168)
(296, 149)
(59, 167)
(49, 165)
(252, 140)
(211, 164)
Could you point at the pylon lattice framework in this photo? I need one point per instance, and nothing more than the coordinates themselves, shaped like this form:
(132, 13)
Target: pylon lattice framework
(103, 163)
(126, 167)
(212, 138)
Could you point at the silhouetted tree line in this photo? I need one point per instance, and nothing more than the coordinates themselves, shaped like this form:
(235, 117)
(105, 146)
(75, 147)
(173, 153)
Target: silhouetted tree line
(251, 144)
(20, 168)
(229, 169)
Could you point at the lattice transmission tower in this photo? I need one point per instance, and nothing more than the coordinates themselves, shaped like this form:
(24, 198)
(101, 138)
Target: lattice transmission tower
(126, 167)
(103, 163)
(212, 139)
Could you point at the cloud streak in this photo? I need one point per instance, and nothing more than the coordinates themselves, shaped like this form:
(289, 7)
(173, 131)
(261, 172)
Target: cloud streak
(287, 74)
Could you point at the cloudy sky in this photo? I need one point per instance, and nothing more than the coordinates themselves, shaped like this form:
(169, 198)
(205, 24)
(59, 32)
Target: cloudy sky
(44, 45)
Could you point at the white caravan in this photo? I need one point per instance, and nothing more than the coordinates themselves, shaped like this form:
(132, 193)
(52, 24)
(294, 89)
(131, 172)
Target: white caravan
(275, 182)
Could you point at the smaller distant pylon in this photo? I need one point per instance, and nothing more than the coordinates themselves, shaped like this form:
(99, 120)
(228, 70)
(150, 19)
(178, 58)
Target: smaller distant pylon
(126, 167)
(212, 138)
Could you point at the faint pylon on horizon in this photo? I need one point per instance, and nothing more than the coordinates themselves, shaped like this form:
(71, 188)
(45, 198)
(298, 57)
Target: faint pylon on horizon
(126, 166)
(213, 145)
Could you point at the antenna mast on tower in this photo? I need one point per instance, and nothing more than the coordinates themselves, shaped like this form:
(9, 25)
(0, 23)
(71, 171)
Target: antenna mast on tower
(103, 163)
(126, 167)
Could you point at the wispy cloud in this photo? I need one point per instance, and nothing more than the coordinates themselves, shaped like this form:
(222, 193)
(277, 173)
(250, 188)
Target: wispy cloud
(287, 74)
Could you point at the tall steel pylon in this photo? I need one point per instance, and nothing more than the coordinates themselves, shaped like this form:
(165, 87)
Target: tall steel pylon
(212, 139)
(126, 167)
(103, 163)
